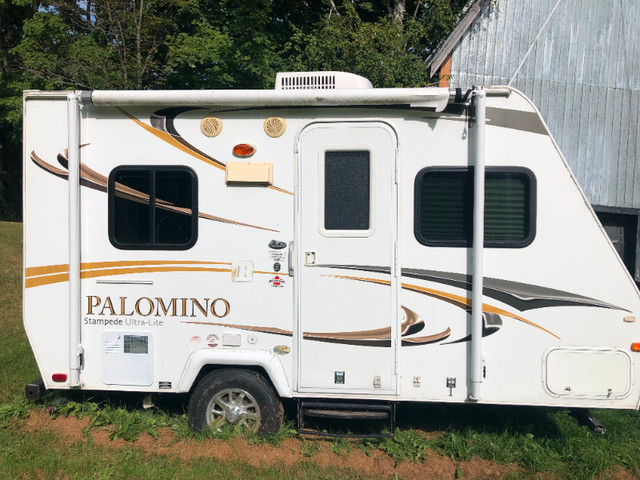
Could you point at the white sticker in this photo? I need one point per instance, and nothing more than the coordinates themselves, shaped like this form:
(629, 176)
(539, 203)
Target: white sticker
(277, 256)
(277, 281)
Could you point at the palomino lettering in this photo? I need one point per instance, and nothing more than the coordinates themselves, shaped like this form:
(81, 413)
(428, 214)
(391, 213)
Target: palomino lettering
(146, 306)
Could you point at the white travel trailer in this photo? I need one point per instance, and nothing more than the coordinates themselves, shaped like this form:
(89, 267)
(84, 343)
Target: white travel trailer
(316, 242)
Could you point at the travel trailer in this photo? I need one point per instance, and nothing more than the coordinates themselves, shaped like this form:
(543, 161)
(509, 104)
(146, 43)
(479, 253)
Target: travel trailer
(318, 242)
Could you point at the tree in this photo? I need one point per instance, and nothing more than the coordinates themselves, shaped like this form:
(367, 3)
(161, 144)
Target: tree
(13, 13)
(377, 51)
(124, 44)
(238, 44)
(385, 41)
(99, 43)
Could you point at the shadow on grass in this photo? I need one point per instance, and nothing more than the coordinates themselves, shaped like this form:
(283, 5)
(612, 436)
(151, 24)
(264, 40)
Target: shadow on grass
(426, 417)
(434, 417)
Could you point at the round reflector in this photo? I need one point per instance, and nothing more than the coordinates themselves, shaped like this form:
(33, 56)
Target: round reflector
(244, 150)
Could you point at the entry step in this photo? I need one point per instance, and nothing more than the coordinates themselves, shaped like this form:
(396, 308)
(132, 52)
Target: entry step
(356, 415)
(324, 411)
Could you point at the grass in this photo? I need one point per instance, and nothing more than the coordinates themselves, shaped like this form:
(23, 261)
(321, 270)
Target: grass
(537, 439)
(541, 441)
(18, 364)
(43, 455)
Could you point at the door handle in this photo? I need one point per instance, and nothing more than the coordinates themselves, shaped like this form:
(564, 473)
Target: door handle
(290, 258)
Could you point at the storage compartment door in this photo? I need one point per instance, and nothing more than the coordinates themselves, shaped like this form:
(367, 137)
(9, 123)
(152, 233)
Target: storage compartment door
(127, 358)
(588, 372)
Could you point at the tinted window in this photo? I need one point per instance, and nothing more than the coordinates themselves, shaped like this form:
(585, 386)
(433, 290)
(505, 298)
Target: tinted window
(153, 208)
(347, 186)
(444, 207)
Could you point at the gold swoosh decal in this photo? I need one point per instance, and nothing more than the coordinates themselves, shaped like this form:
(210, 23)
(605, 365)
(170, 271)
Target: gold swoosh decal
(186, 147)
(125, 271)
(94, 265)
(47, 280)
(49, 274)
(168, 138)
(48, 269)
(57, 278)
(457, 300)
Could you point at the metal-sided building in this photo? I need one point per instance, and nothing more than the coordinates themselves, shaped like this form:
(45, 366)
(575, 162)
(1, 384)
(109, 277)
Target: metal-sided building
(579, 61)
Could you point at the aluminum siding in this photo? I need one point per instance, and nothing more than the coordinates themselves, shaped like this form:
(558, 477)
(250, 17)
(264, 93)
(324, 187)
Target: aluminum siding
(583, 73)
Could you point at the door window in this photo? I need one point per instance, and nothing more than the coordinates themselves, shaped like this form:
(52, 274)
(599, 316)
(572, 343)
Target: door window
(347, 193)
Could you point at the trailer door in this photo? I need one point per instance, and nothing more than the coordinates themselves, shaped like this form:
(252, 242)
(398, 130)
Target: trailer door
(345, 273)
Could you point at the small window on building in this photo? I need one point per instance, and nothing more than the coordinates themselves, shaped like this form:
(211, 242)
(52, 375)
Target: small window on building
(153, 208)
(444, 207)
(347, 190)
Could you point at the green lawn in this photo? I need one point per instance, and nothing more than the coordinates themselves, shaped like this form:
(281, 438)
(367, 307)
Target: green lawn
(18, 364)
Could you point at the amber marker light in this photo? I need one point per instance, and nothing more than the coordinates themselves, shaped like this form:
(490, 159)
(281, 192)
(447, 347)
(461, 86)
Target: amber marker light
(59, 377)
(635, 347)
(244, 150)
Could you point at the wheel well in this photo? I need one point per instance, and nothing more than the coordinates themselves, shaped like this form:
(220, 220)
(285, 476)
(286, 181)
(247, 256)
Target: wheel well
(205, 370)
(236, 396)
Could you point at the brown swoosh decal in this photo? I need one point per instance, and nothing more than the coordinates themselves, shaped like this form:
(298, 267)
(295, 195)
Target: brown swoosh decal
(456, 300)
(436, 337)
(377, 334)
(518, 295)
(92, 179)
(275, 331)
(411, 323)
(468, 305)
(380, 337)
(49, 168)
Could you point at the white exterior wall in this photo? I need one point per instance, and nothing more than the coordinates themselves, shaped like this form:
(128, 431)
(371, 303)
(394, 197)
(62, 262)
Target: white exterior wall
(570, 253)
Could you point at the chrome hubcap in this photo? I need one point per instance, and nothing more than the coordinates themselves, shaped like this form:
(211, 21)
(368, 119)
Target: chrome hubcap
(234, 406)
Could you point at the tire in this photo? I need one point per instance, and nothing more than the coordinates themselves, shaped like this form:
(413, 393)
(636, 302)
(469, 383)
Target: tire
(238, 397)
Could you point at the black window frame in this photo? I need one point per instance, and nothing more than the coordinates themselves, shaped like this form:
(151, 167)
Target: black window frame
(469, 243)
(152, 245)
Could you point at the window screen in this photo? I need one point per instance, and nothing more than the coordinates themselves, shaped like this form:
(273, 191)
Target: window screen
(444, 207)
(153, 208)
(347, 187)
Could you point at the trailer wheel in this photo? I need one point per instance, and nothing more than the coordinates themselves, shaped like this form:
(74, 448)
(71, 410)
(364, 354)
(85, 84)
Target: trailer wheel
(236, 397)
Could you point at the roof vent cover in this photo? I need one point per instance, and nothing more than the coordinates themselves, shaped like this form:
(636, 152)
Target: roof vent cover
(320, 81)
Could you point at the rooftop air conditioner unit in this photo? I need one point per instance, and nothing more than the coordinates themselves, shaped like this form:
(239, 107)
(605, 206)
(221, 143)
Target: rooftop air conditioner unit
(320, 81)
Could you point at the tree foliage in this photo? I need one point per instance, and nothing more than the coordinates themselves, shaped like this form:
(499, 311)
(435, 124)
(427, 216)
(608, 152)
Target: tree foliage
(13, 14)
(139, 44)
(387, 42)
